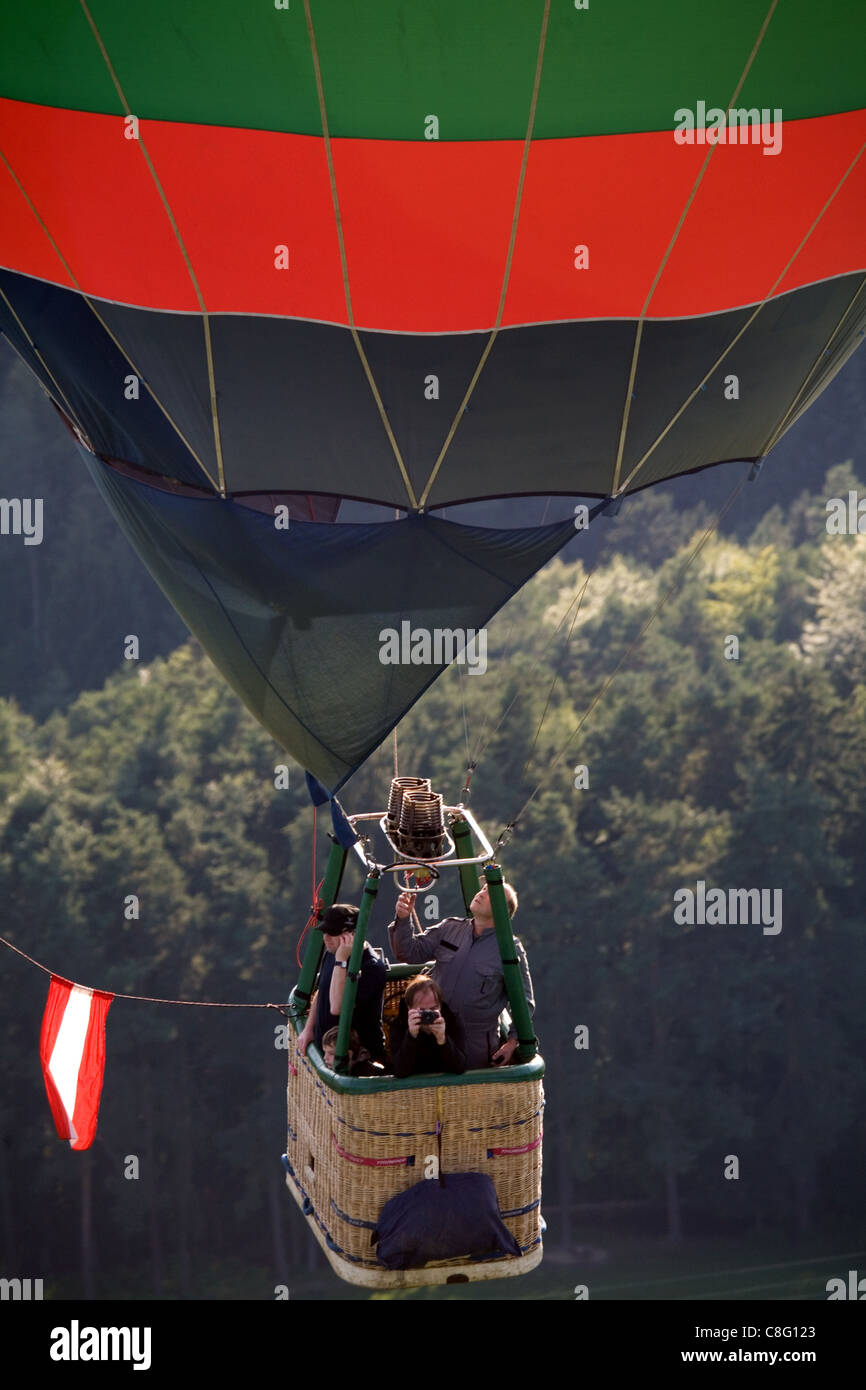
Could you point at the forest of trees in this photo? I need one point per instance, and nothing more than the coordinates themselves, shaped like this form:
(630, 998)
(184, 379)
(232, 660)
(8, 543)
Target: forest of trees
(704, 1041)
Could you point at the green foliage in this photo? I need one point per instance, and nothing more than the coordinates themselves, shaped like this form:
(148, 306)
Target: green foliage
(703, 1040)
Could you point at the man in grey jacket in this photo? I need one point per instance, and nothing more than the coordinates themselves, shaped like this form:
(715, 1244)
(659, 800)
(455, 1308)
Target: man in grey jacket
(468, 971)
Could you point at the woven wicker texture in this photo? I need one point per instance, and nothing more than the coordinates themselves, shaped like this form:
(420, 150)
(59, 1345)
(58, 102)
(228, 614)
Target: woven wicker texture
(334, 1136)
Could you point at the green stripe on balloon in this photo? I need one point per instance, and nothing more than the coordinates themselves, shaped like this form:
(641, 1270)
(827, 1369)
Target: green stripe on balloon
(607, 69)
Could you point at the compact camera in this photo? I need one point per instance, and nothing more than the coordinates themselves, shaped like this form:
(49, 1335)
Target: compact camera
(428, 1015)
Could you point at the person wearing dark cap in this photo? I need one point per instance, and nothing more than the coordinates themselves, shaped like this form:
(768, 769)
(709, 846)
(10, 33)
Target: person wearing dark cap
(338, 932)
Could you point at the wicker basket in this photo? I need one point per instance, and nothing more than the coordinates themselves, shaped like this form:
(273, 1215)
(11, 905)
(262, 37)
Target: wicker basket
(355, 1142)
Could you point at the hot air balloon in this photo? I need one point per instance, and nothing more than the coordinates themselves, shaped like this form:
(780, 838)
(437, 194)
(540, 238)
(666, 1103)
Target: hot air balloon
(277, 267)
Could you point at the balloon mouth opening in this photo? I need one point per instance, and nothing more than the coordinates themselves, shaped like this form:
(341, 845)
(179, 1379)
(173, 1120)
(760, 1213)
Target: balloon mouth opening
(294, 505)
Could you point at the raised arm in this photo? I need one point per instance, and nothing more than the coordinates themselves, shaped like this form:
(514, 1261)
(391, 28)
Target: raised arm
(408, 946)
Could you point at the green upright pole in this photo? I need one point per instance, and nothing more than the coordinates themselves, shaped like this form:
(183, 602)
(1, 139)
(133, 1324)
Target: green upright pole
(469, 880)
(527, 1043)
(302, 993)
(353, 974)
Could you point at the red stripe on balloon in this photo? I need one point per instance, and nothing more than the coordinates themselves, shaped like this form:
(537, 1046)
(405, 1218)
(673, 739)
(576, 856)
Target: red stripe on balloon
(426, 224)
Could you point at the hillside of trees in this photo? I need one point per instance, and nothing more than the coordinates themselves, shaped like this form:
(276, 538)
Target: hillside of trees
(704, 1040)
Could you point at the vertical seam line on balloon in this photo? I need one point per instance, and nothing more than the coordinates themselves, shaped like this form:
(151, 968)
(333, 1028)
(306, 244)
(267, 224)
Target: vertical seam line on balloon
(344, 265)
(204, 313)
(768, 296)
(38, 354)
(527, 142)
(789, 417)
(117, 343)
(666, 257)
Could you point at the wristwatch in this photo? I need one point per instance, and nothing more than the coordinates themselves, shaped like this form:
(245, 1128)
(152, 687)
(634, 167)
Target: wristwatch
(341, 964)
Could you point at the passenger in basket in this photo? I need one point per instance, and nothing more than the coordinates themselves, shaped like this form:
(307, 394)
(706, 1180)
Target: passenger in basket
(468, 971)
(359, 1059)
(426, 1036)
(338, 931)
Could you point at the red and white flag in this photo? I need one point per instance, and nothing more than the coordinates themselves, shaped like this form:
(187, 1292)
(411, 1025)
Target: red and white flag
(72, 1051)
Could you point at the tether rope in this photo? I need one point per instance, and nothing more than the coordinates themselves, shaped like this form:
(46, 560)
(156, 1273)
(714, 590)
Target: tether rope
(141, 998)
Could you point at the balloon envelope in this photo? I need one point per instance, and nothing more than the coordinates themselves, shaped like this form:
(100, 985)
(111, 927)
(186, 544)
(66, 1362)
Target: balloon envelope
(415, 255)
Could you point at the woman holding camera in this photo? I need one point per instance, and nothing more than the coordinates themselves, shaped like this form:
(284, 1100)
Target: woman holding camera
(426, 1036)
